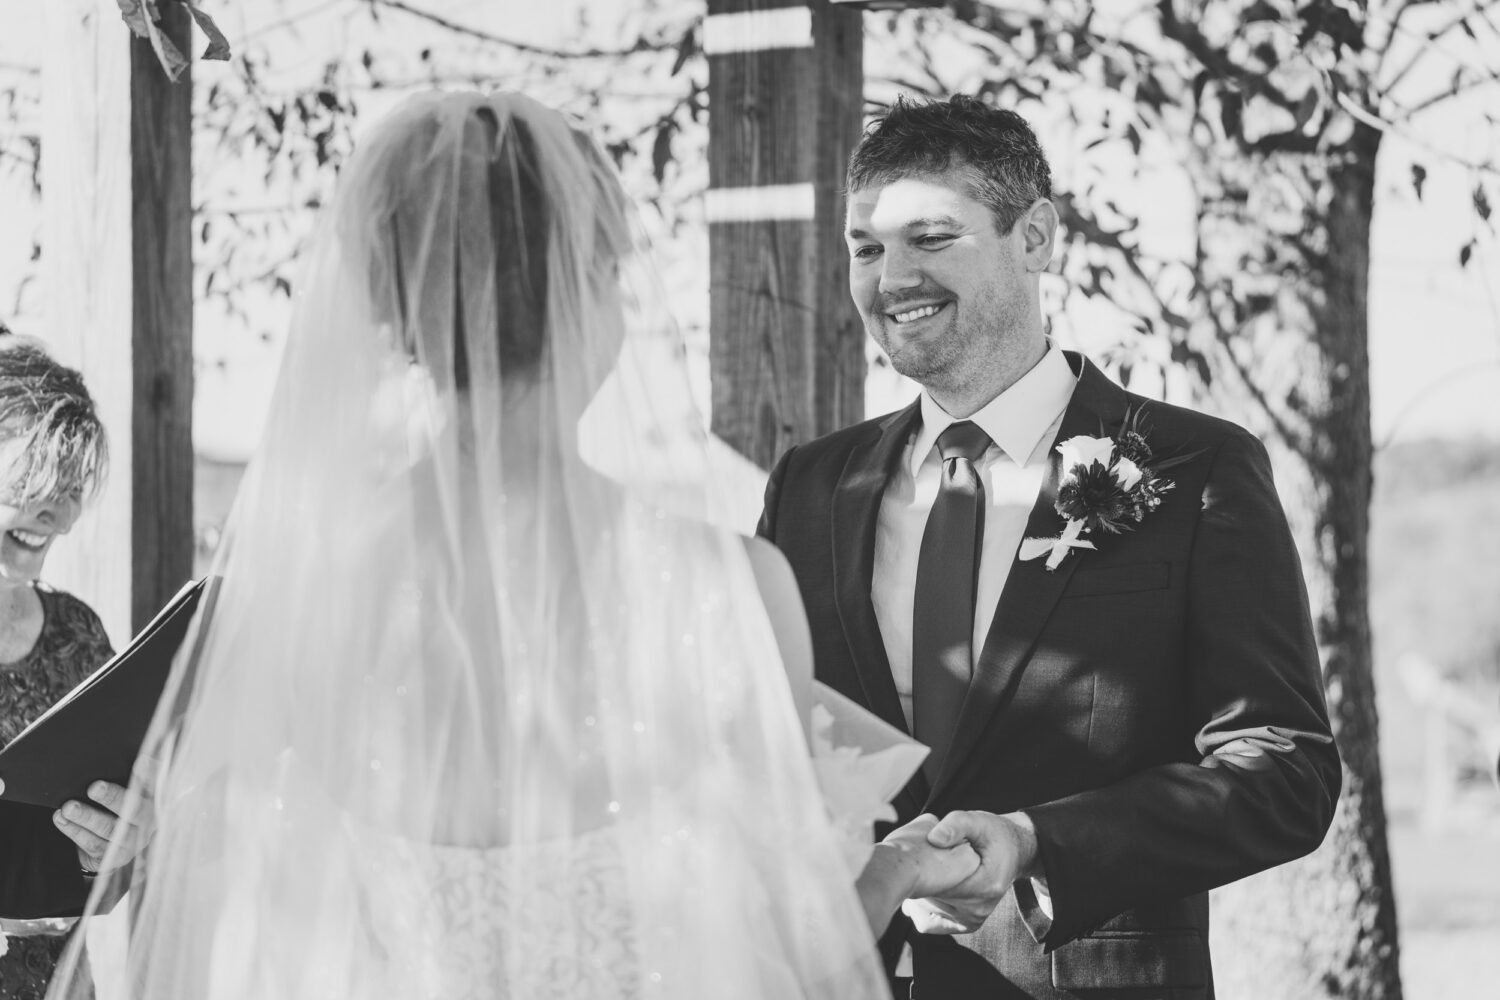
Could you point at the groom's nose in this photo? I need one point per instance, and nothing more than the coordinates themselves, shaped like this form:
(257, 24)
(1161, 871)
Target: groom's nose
(899, 271)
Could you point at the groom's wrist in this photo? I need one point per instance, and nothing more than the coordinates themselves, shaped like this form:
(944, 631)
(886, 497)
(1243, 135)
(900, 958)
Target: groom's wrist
(1028, 856)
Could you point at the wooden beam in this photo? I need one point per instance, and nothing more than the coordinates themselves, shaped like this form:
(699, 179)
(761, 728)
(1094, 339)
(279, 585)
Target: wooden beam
(117, 263)
(786, 346)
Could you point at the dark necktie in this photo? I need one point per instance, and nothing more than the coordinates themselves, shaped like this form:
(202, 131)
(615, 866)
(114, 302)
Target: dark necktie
(943, 613)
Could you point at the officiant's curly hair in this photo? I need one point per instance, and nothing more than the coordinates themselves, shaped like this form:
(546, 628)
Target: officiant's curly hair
(52, 443)
(1006, 167)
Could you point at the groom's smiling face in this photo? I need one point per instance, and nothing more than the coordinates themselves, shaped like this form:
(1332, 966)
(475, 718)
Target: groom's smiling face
(943, 292)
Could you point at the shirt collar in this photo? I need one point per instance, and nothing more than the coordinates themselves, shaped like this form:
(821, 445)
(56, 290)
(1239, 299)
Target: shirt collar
(1016, 419)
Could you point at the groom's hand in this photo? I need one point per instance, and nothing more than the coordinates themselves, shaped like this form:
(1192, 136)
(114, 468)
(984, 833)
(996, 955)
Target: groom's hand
(906, 863)
(1007, 851)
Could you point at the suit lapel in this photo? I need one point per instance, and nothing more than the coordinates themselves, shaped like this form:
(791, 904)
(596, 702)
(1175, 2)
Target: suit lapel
(856, 508)
(1031, 591)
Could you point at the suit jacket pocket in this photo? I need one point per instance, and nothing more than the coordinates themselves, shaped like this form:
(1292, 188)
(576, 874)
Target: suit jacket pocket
(1131, 960)
(1088, 582)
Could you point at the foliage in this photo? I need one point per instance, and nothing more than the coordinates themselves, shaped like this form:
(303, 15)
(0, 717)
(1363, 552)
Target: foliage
(1243, 78)
(1197, 99)
(273, 127)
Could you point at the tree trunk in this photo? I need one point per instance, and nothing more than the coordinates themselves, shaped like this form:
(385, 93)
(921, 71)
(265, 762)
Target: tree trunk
(1324, 926)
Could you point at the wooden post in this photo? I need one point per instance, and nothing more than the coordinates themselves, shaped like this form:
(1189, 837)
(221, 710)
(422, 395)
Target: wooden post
(117, 262)
(786, 345)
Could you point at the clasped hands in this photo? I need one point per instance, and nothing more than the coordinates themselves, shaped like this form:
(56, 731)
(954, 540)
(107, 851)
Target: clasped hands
(956, 870)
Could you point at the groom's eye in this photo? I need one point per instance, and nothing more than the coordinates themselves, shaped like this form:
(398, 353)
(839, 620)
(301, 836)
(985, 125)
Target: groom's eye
(864, 252)
(935, 241)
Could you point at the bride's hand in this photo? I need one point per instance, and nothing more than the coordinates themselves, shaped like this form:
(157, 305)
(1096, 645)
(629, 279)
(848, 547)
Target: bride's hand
(905, 866)
(934, 869)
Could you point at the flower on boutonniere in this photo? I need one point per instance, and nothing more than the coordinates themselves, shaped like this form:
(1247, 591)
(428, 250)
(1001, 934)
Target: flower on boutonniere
(1108, 486)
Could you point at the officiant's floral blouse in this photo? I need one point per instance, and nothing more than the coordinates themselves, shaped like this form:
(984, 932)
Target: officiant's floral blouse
(71, 645)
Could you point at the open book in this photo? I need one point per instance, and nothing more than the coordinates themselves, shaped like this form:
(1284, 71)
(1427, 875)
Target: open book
(95, 731)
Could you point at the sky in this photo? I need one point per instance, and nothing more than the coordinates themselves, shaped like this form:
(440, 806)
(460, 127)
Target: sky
(1434, 327)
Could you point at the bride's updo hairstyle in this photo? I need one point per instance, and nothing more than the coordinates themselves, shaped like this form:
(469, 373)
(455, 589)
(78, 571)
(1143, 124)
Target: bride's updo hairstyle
(512, 237)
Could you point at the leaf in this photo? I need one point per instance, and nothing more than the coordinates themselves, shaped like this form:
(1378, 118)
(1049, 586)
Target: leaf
(1464, 24)
(685, 49)
(1482, 202)
(1306, 108)
(1260, 11)
(1114, 74)
(1464, 253)
(661, 149)
(218, 45)
(1199, 83)
(1231, 112)
(139, 16)
(1418, 178)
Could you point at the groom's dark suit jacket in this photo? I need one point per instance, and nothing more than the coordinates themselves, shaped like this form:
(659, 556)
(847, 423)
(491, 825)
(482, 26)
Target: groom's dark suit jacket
(1155, 706)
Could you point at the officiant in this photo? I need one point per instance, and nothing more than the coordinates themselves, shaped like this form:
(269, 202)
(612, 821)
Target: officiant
(53, 454)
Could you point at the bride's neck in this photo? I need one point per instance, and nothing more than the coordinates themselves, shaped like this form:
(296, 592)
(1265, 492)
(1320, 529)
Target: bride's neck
(533, 447)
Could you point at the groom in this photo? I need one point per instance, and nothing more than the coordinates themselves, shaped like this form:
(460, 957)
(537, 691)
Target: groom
(1118, 724)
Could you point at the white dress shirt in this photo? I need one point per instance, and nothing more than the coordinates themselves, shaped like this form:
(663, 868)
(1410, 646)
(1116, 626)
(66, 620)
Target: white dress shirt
(1022, 423)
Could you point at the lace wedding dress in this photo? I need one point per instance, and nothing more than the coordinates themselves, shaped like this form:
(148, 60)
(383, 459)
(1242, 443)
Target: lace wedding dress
(575, 944)
(579, 941)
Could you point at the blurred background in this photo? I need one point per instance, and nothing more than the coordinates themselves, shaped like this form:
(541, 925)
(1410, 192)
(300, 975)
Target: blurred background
(1157, 116)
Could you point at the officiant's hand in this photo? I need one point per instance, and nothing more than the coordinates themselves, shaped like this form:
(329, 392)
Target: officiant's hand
(92, 825)
(1007, 851)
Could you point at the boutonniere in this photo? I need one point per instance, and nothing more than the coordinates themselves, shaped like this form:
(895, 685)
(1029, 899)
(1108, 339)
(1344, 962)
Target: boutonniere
(1108, 486)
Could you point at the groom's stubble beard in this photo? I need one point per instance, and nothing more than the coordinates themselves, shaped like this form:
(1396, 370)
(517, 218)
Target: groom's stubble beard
(979, 337)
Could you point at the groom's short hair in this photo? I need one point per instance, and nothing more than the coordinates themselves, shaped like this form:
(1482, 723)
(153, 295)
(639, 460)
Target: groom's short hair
(998, 150)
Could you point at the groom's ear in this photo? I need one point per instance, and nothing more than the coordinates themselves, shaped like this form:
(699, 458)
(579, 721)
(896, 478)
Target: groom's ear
(1039, 234)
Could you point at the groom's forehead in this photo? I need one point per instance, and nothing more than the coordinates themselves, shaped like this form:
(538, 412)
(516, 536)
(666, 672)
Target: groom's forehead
(910, 201)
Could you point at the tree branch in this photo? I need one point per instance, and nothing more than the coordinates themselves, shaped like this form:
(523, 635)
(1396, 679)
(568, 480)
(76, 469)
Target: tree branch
(1293, 141)
(1284, 429)
(1459, 86)
(1394, 22)
(1091, 230)
(1394, 128)
(1189, 37)
(291, 20)
(1216, 61)
(641, 44)
(1428, 40)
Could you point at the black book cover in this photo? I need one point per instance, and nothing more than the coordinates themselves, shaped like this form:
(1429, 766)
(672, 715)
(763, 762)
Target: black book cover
(95, 731)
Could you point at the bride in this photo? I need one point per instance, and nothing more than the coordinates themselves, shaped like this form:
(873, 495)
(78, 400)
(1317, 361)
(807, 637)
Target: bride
(469, 718)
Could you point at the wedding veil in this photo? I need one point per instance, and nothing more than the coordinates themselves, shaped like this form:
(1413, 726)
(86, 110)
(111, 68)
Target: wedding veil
(441, 628)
